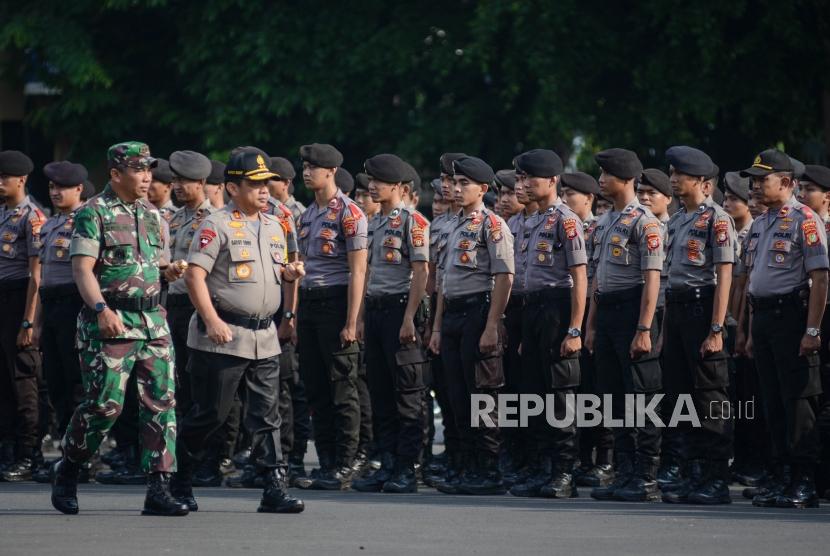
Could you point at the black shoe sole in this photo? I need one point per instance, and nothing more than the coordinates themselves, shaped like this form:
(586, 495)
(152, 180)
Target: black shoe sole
(646, 498)
(290, 510)
(162, 514)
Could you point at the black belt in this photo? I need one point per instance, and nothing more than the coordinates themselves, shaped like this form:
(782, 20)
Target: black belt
(690, 295)
(7, 286)
(133, 303)
(547, 294)
(59, 294)
(245, 321)
(325, 292)
(516, 301)
(799, 295)
(463, 302)
(178, 300)
(383, 301)
(622, 296)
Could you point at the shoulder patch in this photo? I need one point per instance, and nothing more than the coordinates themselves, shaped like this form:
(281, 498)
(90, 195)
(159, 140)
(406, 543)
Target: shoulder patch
(355, 211)
(569, 224)
(420, 220)
(810, 232)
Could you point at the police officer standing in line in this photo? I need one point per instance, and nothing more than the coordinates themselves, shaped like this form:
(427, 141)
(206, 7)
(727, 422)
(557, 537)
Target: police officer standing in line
(60, 301)
(787, 261)
(237, 270)
(395, 361)
(282, 186)
(439, 204)
(362, 196)
(161, 188)
(20, 223)
(189, 170)
(477, 272)
(579, 190)
(556, 291)
(627, 250)
(117, 245)
(700, 252)
(333, 245)
(215, 184)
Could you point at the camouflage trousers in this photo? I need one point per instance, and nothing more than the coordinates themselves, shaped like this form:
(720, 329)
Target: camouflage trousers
(105, 367)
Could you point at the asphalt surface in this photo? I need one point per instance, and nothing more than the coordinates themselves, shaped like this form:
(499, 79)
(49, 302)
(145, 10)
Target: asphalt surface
(428, 522)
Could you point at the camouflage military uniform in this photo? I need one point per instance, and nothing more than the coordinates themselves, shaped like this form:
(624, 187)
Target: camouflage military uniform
(127, 241)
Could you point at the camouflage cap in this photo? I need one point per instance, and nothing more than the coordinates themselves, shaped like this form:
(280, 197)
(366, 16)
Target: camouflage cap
(132, 154)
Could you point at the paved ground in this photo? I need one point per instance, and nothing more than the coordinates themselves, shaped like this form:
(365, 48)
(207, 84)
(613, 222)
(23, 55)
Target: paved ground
(424, 523)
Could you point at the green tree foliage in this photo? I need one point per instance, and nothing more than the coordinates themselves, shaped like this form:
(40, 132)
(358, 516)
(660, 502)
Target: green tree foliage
(418, 78)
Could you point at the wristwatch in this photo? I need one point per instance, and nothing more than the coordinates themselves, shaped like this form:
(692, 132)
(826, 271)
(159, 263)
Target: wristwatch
(25, 325)
(574, 332)
(288, 315)
(100, 306)
(717, 328)
(814, 332)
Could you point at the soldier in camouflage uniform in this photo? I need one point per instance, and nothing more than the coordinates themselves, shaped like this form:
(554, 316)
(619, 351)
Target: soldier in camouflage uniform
(117, 244)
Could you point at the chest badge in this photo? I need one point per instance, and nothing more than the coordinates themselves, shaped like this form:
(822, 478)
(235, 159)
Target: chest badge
(243, 270)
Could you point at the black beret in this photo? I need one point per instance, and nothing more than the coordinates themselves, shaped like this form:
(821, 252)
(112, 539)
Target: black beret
(580, 181)
(541, 163)
(506, 178)
(65, 173)
(657, 179)
(283, 167)
(412, 176)
(88, 190)
(436, 186)
(474, 168)
(769, 162)
(217, 173)
(798, 168)
(738, 186)
(387, 168)
(343, 179)
(620, 162)
(691, 161)
(446, 161)
(819, 175)
(361, 181)
(190, 165)
(321, 155)
(161, 172)
(15, 163)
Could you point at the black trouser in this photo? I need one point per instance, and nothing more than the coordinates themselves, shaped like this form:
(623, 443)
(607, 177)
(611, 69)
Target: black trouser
(617, 316)
(396, 384)
(19, 372)
(706, 379)
(179, 311)
(329, 371)
(216, 379)
(288, 378)
(591, 438)
(790, 383)
(302, 420)
(547, 316)
(61, 365)
(823, 417)
(468, 371)
(366, 437)
(751, 442)
(515, 438)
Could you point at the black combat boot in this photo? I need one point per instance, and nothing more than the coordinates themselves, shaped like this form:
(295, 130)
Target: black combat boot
(801, 492)
(20, 470)
(561, 484)
(598, 475)
(181, 484)
(326, 458)
(752, 474)
(275, 498)
(403, 480)
(670, 473)
(643, 485)
(159, 500)
(486, 479)
(623, 472)
(296, 469)
(374, 481)
(696, 475)
(207, 473)
(360, 464)
(455, 471)
(767, 495)
(715, 488)
(65, 486)
(339, 478)
(537, 475)
(128, 474)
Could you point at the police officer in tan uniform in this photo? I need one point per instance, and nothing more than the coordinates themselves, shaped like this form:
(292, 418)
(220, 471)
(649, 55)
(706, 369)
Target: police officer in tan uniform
(787, 261)
(477, 272)
(237, 270)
